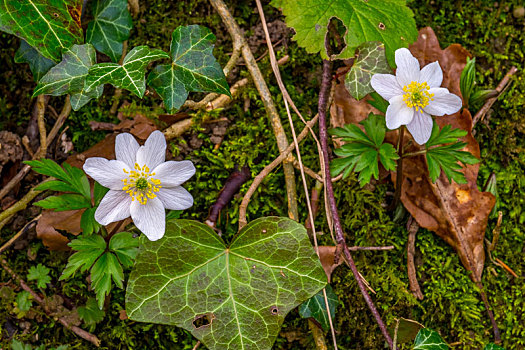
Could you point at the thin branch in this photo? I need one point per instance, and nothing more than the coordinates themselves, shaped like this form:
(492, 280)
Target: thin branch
(260, 177)
(413, 227)
(77, 330)
(323, 135)
(24, 229)
(41, 110)
(269, 105)
(500, 88)
(399, 170)
(50, 137)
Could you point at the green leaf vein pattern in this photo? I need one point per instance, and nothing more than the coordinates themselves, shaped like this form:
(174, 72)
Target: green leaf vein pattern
(243, 291)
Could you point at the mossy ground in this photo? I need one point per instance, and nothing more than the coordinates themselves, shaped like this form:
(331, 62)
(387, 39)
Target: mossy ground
(452, 304)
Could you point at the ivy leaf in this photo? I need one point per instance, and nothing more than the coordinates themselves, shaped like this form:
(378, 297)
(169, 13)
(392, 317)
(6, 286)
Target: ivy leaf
(110, 27)
(370, 60)
(125, 247)
(194, 68)
(38, 64)
(69, 76)
(363, 149)
(315, 307)
(88, 248)
(447, 158)
(40, 273)
(106, 269)
(23, 300)
(90, 313)
(228, 297)
(388, 21)
(129, 75)
(50, 26)
(492, 346)
(428, 339)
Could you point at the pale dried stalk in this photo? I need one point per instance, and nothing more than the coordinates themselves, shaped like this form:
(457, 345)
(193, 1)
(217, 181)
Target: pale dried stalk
(413, 227)
(41, 110)
(18, 234)
(319, 339)
(50, 137)
(269, 105)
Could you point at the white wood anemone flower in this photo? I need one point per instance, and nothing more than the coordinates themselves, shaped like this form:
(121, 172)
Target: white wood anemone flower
(141, 184)
(414, 95)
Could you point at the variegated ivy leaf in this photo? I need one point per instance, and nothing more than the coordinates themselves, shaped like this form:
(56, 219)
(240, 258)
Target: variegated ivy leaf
(110, 27)
(129, 75)
(69, 76)
(194, 68)
(50, 26)
(38, 64)
(370, 60)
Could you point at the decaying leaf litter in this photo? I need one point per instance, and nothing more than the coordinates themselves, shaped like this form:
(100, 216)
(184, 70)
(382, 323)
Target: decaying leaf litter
(445, 180)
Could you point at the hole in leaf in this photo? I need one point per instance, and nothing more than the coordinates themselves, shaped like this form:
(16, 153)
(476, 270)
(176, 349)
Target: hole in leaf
(203, 320)
(336, 36)
(274, 310)
(381, 26)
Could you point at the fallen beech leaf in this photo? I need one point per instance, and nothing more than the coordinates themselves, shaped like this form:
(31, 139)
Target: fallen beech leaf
(51, 221)
(456, 213)
(327, 257)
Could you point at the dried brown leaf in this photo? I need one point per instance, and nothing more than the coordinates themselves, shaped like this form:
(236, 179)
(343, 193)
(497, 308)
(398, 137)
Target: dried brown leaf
(327, 257)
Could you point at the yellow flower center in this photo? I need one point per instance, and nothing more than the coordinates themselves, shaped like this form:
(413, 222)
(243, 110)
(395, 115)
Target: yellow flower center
(140, 185)
(417, 95)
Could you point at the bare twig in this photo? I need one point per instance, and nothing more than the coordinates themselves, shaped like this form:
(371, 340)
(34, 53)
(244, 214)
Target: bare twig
(50, 137)
(20, 205)
(497, 334)
(77, 330)
(269, 105)
(500, 88)
(134, 7)
(24, 229)
(323, 135)
(41, 110)
(399, 170)
(413, 227)
(197, 345)
(267, 169)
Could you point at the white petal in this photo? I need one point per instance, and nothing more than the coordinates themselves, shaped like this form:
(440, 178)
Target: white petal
(386, 85)
(150, 218)
(108, 173)
(431, 74)
(174, 173)
(407, 67)
(113, 207)
(154, 150)
(398, 113)
(420, 127)
(175, 198)
(126, 149)
(443, 102)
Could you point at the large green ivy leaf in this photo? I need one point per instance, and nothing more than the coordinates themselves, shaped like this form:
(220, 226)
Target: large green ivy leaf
(428, 339)
(232, 297)
(388, 21)
(38, 64)
(50, 26)
(129, 75)
(69, 76)
(110, 27)
(370, 60)
(194, 68)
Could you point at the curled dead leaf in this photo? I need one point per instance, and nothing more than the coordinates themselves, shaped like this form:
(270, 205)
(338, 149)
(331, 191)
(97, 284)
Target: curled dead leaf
(327, 257)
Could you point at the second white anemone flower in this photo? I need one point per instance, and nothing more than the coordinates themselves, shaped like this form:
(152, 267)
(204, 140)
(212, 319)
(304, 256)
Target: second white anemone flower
(414, 95)
(141, 184)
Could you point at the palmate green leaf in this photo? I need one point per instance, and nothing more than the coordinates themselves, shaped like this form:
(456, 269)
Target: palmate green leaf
(378, 102)
(24, 300)
(493, 346)
(16, 345)
(88, 248)
(69, 76)
(194, 68)
(375, 128)
(64, 202)
(444, 135)
(428, 339)
(40, 273)
(388, 21)
(50, 26)
(88, 224)
(370, 60)
(125, 247)
(110, 27)
(129, 75)
(90, 313)
(106, 269)
(316, 307)
(38, 64)
(387, 156)
(243, 291)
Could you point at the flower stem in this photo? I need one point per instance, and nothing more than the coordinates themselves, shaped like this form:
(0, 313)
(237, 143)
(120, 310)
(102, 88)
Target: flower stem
(399, 170)
(323, 135)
